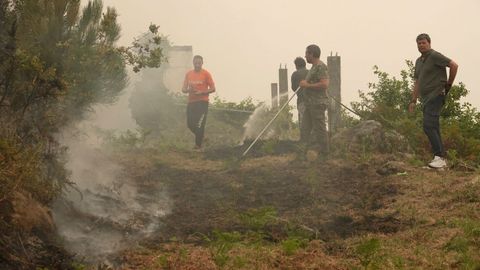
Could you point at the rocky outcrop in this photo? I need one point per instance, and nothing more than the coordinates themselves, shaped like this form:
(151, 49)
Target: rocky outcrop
(369, 137)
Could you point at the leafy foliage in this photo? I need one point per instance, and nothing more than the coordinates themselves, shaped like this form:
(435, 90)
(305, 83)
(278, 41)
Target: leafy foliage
(246, 104)
(56, 62)
(388, 98)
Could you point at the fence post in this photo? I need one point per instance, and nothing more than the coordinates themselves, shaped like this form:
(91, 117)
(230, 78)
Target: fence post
(283, 84)
(274, 89)
(334, 90)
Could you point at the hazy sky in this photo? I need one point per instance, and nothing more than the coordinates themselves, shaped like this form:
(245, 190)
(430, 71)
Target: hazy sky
(243, 42)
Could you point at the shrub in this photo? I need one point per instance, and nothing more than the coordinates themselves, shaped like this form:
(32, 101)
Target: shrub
(387, 102)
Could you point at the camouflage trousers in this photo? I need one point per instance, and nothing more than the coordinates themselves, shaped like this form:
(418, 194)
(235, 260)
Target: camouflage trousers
(314, 129)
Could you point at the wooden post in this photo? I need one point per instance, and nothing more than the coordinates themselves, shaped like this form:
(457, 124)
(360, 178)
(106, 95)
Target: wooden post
(274, 89)
(334, 90)
(283, 84)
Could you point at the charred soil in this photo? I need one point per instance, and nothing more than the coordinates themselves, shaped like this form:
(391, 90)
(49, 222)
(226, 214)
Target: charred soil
(273, 210)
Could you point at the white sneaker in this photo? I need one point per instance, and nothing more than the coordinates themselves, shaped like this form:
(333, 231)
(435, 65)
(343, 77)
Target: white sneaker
(437, 163)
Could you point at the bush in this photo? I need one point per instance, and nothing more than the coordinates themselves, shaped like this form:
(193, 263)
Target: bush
(36, 168)
(387, 102)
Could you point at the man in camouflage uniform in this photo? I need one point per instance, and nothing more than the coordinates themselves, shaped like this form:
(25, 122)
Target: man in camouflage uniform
(316, 102)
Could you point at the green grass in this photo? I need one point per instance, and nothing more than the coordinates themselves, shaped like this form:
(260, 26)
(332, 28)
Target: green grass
(292, 244)
(367, 252)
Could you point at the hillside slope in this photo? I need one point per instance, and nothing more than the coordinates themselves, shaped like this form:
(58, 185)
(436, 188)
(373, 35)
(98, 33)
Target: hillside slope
(276, 212)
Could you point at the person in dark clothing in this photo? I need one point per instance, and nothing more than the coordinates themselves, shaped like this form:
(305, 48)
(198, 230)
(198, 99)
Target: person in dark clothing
(432, 85)
(298, 75)
(198, 84)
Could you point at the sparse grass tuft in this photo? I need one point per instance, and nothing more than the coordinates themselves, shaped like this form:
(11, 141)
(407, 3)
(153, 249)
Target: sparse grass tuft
(257, 219)
(268, 147)
(470, 193)
(368, 253)
(292, 244)
(232, 164)
(221, 244)
(458, 244)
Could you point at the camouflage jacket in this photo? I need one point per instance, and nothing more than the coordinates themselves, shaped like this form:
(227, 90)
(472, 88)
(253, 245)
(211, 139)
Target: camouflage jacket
(315, 96)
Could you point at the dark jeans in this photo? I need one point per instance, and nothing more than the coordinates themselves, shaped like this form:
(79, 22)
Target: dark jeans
(314, 128)
(196, 119)
(431, 123)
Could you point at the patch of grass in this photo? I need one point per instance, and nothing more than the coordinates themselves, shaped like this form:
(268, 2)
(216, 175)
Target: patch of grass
(292, 244)
(269, 147)
(398, 262)
(239, 262)
(458, 244)
(227, 237)
(471, 228)
(220, 254)
(415, 162)
(257, 219)
(466, 245)
(470, 264)
(470, 193)
(221, 244)
(311, 178)
(75, 266)
(183, 253)
(125, 140)
(162, 261)
(232, 164)
(367, 252)
(366, 149)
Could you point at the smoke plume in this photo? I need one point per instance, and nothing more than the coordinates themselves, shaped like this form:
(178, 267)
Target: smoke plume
(105, 210)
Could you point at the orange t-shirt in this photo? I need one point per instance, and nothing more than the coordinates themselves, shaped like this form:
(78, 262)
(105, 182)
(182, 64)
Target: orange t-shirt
(199, 81)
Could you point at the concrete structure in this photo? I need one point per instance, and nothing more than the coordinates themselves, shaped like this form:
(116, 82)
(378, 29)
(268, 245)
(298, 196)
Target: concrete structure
(179, 63)
(283, 84)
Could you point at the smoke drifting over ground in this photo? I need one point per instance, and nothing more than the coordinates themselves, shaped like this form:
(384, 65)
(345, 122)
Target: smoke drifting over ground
(105, 210)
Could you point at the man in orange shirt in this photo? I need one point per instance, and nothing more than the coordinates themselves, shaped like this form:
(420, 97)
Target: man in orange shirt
(198, 84)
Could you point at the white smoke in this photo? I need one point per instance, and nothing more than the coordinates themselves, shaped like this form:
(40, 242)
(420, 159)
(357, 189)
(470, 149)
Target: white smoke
(105, 211)
(256, 123)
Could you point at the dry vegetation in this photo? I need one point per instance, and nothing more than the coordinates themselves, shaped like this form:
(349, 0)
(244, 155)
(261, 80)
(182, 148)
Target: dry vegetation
(371, 205)
(276, 212)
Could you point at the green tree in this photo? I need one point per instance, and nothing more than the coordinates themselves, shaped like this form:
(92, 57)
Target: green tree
(56, 63)
(386, 99)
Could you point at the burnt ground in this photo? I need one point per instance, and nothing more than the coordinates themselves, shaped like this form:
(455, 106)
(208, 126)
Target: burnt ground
(336, 201)
(353, 212)
(328, 200)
